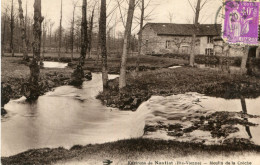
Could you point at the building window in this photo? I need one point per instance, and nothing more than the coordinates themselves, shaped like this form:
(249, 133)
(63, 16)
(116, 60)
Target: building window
(210, 40)
(208, 51)
(167, 44)
(185, 49)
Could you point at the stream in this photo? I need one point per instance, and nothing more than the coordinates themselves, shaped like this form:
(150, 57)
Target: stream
(69, 116)
(65, 117)
(51, 64)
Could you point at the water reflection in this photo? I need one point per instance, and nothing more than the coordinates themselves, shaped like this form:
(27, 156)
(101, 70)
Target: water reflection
(243, 104)
(197, 118)
(50, 64)
(69, 116)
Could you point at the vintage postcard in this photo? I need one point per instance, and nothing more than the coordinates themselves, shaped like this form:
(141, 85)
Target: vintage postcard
(130, 82)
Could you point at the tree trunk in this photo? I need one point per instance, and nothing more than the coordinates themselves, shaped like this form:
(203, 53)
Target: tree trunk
(32, 89)
(102, 32)
(98, 43)
(90, 33)
(193, 43)
(140, 38)
(26, 30)
(257, 52)
(60, 31)
(127, 35)
(78, 74)
(44, 40)
(244, 109)
(12, 29)
(84, 34)
(72, 33)
(3, 36)
(23, 32)
(244, 60)
(51, 25)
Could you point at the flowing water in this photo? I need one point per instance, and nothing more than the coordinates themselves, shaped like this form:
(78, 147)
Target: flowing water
(173, 118)
(65, 117)
(68, 116)
(50, 64)
(174, 67)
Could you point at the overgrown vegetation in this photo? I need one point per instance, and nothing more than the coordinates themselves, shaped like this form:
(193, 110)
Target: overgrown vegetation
(50, 78)
(131, 149)
(177, 81)
(211, 60)
(14, 80)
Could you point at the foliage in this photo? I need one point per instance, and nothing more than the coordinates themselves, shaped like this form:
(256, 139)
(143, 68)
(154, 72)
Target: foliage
(181, 80)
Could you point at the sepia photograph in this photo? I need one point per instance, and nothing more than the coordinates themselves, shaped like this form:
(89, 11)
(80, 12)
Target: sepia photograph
(130, 82)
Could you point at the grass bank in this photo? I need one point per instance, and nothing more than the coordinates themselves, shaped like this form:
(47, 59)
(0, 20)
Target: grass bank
(161, 81)
(178, 81)
(15, 72)
(211, 60)
(128, 150)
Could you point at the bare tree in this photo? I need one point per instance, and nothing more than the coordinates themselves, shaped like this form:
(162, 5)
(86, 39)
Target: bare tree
(23, 32)
(140, 37)
(26, 16)
(179, 41)
(44, 27)
(12, 29)
(31, 90)
(197, 9)
(196, 26)
(244, 59)
(127, 35)
(51, 24)
(91, 23)
(78, 73)
(72, 28)
(60, 30)
(170, 16)
(27, 31)
(143, 17)
(3, 33)
(102, 31)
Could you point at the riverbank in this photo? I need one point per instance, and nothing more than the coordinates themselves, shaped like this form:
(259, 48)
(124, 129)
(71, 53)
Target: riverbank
(165, 82)
(15, 72)
(140, 87)
(130, 150)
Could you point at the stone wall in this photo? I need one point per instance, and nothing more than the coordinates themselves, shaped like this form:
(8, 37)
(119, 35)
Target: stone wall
(149, 40)
(235, 50)
(162, 44)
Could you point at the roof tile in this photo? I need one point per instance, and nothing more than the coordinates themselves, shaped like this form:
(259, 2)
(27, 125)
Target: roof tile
(185, 29)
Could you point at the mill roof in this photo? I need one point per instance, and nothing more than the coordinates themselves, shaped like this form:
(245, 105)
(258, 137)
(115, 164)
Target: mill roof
(185, 29)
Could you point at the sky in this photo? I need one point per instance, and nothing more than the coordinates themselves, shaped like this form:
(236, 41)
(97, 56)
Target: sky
(180, 9)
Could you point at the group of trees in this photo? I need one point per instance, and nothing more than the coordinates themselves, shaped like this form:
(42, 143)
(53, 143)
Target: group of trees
(40, 34)
(34, 37)
(197, 8)
(57, 38)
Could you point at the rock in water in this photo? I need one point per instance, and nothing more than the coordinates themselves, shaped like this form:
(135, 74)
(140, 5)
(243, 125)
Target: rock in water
(77, 76)
(88, 75)
(6, 92)
(30, 91)
(3, 112)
